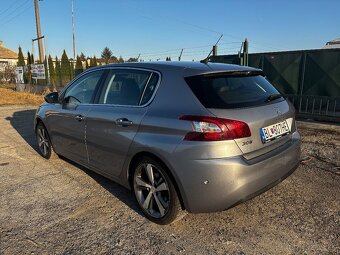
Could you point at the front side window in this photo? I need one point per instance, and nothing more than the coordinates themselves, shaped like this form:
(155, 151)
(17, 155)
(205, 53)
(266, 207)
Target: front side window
(83, 89)
(127, 87)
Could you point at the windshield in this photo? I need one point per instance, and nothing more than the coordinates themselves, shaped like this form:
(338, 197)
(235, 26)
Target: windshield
(231, 92)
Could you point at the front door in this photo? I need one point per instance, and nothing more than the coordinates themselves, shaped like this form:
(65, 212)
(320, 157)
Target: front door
(67, 121)
(113, 122)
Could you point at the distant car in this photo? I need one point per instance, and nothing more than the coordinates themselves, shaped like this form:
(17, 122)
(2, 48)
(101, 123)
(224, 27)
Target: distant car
(182, 135)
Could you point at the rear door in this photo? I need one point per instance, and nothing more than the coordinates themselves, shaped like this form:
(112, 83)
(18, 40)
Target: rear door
(249, 98)
(113, 122)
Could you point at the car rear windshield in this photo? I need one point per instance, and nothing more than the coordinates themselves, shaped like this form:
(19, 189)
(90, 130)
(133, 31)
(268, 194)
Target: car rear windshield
(225, 91)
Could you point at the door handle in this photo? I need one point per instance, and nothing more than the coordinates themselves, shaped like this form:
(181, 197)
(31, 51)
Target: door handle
(79, 117)
(123, 122)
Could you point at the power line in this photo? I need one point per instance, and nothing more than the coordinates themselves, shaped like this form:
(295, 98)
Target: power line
(15, 10)
(172, 19)
(18, 14)
(13, 3)
(266, 45)
(177, 51)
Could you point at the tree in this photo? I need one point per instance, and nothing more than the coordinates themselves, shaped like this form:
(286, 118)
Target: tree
(168, 59)
(79, 66)
(57, 71)
(28, 76)
(106, 54)
(32, 59)
(28, 58)
(21, 60)
(91, 62)
(52, 71)
(114, 59)
(120, 60)
(132, 60)
(72, 69)
(82, 56)
(87, 63)
(7, 73)
(46, 73)
(95, 63)
(65, 68)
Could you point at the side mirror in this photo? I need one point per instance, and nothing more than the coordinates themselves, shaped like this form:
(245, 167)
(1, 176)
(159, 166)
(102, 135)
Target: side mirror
(52, 98)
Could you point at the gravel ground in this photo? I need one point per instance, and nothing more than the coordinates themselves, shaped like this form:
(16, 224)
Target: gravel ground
(56, 207)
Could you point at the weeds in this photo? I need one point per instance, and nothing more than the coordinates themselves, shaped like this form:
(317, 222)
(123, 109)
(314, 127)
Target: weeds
(11, 97)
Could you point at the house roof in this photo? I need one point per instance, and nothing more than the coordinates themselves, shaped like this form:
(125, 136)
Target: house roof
(6, 53)
(334, 44)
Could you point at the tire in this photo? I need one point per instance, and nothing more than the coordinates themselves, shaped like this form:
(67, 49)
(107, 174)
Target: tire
(155, 192)
(45, 147)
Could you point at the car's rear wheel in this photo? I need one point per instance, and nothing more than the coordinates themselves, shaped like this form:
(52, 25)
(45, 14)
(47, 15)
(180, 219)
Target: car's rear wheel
(155, 192)
(44, 142)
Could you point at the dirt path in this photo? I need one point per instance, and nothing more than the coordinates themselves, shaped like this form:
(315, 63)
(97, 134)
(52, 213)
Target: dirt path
(56, 207)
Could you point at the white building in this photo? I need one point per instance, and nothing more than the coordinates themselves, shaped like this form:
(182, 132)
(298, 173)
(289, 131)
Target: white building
(334, 44)
(7, 57)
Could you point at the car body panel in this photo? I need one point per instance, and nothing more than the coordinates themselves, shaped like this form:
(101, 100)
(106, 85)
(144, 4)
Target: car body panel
(216, 184)
(256, 118)
(210, 176)
(66, 132)
(107, 142)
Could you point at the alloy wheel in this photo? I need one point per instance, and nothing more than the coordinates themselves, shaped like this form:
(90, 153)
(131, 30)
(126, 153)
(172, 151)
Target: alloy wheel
(151, 190)
(43, 141)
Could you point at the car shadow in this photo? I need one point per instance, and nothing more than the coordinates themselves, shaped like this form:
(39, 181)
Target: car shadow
(23, 123)
(123, 194)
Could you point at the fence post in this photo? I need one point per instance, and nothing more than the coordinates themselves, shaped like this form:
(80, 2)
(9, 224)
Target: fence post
(302, 78)
(245, 52)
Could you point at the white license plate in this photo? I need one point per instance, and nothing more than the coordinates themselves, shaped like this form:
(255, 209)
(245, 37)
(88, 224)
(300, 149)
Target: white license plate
(274, 131)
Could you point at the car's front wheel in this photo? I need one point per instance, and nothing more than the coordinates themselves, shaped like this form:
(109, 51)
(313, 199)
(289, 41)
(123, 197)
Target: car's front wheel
(155, 192)
(44, 142)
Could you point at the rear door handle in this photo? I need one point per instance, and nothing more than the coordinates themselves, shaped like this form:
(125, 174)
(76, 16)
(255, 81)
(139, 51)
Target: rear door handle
(123, 122)
(79, 117)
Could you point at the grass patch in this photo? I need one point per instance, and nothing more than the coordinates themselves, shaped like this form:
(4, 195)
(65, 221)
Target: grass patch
(7, 86)
(11, 97)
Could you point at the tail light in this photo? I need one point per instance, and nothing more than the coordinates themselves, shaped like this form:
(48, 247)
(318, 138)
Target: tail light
(215, 129)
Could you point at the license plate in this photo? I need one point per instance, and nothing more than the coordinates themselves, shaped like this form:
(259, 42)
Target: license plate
(274, 131)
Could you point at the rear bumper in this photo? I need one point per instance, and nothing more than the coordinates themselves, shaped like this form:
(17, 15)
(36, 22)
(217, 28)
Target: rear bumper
(218, 184)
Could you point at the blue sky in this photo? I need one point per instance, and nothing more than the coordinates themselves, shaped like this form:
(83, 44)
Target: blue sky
(157, 28)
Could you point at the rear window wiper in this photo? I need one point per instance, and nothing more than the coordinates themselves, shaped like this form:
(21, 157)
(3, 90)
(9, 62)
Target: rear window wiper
(273, 97)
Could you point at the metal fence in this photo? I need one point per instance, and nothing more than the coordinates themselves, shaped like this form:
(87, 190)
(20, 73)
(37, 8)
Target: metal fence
(317, 107)
(309, 78)
(35, 88)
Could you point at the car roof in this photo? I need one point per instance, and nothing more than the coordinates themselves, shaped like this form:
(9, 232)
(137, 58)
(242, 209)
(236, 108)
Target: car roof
(188, 68)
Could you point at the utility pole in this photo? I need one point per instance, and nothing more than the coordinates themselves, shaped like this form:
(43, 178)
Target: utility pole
(73, 37)
(37, 21)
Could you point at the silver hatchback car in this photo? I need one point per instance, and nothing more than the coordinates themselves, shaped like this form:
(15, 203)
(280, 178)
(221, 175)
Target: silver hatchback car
(184, 136)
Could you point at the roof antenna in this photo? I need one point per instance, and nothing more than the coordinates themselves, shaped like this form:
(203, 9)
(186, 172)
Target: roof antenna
(206, 60)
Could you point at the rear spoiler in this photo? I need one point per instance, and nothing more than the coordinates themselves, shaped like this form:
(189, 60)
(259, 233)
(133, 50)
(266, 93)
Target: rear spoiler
(238, 73)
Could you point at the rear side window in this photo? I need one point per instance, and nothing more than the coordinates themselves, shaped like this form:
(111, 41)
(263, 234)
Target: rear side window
(128, 87)
(150, 88)
(225, 92)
